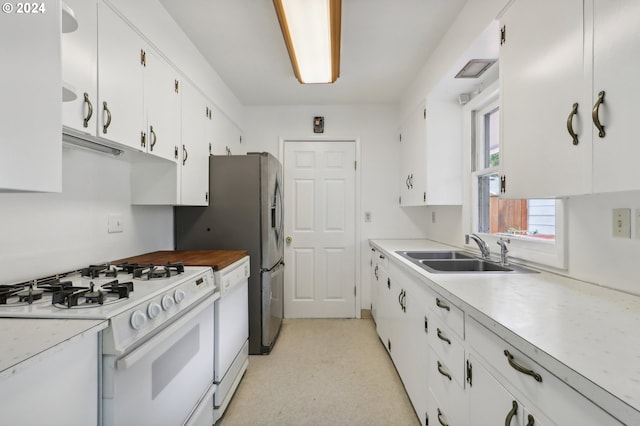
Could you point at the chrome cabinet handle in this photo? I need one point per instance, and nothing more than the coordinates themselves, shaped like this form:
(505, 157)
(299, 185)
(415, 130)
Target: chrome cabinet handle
(595, 114)
(510, 414)
(406, 182)
(440, 304)
(375, 273)
(89, 110)
(411, 180)
(403, 303)
(442, 336)
(185, 154)
(574, 136)
(441, 371)
(441, 419)
(520, 368)
(108, 123)
(153, 137)
(400, 298)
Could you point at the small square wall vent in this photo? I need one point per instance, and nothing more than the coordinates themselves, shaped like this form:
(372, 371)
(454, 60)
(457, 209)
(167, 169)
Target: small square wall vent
(475, 68)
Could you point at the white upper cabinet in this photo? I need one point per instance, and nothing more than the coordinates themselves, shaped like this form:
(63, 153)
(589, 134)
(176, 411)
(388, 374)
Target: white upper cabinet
(31, 101)
(196, 130)
(120, 80)
(79, 68)
(616, 43)
(413, 166)
(431, 147)
(551, 80)
(226, 138)
(162, 107)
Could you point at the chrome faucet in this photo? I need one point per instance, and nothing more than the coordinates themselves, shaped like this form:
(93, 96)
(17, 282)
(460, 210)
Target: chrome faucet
(503, 251)
(482, 245)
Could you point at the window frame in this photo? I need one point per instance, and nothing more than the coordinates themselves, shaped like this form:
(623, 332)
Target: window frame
(521, 248)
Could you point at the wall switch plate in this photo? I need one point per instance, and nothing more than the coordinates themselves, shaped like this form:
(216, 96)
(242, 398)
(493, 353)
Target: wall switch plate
(367, 216)
(114, 223)
(621, 223)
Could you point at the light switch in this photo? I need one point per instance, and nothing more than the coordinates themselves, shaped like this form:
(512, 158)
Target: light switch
(621, 223)
(114, 223)
(367, 216)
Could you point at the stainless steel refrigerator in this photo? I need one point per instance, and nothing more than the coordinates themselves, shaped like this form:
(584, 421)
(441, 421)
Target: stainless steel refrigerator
(245, 213)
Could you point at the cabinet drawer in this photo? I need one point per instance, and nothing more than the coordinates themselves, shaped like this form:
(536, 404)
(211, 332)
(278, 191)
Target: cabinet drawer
(447, 348)
(529, 381)
(448, 314)
(446, 395)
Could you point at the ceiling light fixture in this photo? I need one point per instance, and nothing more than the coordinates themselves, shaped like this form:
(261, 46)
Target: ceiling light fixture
(475, 68)
(311, 31)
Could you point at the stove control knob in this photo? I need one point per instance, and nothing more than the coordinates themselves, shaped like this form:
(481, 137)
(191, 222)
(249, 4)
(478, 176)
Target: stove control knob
(179, 295)
(153, 310)
(138, 318)
(167, 302)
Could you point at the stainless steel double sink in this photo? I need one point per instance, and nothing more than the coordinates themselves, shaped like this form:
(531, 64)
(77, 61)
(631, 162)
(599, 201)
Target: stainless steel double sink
(458, 262)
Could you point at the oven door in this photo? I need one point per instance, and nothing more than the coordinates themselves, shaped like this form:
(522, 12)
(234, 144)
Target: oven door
(161, 381)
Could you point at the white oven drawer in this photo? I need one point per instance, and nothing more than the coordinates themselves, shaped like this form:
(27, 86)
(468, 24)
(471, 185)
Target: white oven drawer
(161, 381)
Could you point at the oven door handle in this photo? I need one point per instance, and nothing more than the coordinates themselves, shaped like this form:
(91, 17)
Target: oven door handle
(145, 348)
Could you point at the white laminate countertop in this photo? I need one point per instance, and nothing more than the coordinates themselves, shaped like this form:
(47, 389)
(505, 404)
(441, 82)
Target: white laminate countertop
(586, 335)
(27, 341)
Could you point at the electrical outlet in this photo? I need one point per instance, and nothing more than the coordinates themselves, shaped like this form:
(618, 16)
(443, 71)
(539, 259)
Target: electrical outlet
(621, 223)
(367, 216)
(114, 223)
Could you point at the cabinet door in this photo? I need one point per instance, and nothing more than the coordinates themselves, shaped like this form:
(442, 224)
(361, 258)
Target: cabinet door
(541, 78)
(226, 137)
(80, 68)
(616, 42)
(489, 402)
(120, 80)
(162, 106)
(413, 147)
(30, 105)
(194, 150)
(387, 305)
(415, 346)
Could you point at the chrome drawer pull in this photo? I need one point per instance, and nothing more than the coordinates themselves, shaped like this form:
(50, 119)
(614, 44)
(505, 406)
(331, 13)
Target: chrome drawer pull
(520, 368)
(510, 414)
(442, 337)
(444, 373)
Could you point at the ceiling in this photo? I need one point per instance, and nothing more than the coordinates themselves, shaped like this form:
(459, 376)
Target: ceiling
(385, 43)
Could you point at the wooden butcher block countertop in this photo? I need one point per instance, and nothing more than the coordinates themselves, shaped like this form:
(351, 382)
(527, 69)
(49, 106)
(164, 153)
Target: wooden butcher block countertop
(217, 259)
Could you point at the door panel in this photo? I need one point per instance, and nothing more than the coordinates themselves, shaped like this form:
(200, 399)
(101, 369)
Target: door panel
(320, 202)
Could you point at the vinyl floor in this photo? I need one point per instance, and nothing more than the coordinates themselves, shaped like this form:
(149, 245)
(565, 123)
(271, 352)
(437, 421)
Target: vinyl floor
(322, 372)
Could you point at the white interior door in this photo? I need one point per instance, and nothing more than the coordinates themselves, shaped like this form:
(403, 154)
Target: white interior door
(319, 194)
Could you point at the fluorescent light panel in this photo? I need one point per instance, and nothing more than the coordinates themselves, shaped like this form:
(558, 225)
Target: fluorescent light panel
(475, 68)
(311, 30)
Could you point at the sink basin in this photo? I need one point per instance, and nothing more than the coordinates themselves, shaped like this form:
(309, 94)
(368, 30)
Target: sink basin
(465, 265)
(454, 262)
(437, 255)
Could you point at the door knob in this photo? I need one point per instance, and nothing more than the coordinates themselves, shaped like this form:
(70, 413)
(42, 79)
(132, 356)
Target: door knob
(288, 240)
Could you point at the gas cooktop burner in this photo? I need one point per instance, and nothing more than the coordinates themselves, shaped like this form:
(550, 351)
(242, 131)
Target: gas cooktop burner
(151, 271)
(70, 296)
(94, 271)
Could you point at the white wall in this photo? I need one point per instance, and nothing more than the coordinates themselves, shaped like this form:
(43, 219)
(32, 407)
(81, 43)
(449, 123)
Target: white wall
(376, 127)
(43, 234)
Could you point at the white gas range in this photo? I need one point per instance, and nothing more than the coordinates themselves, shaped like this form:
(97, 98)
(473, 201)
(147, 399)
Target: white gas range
(157, 350)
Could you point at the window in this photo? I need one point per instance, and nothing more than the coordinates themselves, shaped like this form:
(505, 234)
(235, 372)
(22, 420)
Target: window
(533, 226)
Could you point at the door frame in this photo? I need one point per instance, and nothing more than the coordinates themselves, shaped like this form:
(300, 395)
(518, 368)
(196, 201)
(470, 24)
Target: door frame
(357, 213)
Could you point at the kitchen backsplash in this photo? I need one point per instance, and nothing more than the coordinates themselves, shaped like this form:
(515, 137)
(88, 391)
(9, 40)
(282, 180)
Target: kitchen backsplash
(47, 233)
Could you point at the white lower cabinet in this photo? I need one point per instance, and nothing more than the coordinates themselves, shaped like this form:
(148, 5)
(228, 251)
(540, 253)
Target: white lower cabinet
(531, 385)
(457, 371)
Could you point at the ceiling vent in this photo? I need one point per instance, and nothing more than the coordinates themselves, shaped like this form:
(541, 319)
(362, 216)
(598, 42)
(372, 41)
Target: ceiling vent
(475, 68)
